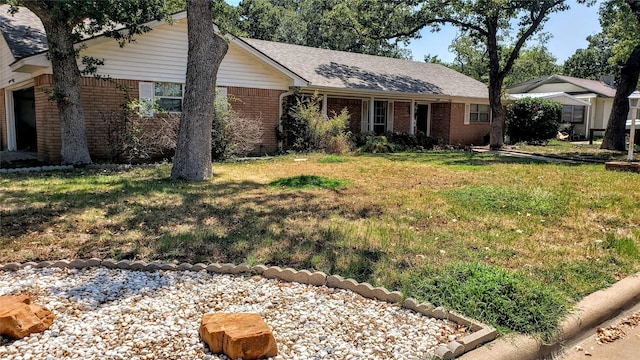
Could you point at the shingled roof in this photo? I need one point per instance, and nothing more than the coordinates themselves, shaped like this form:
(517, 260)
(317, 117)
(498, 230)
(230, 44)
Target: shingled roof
(595, 86)
(345, 70)
(23, 32)
(25, 36)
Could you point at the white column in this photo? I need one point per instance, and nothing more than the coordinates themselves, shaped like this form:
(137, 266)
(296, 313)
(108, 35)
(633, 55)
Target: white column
(412, 118)
(371, 113)
(11, 121)
(632, 132)
(324, 106)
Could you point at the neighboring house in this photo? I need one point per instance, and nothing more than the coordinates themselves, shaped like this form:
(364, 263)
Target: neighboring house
(586, 103)
(381, 94)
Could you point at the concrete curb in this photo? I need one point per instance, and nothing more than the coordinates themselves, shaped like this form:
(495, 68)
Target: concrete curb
(590, 312)
(480, 333)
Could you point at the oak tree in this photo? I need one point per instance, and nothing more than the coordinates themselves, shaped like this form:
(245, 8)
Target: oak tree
(487, 21)
(206, 50)
(66, 23)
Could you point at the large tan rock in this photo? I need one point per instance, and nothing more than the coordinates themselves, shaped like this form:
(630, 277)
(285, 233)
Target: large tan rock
(244, 336)
(19, 318)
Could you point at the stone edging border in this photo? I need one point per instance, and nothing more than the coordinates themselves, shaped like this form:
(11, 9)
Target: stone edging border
(71, 167)
(481, 333)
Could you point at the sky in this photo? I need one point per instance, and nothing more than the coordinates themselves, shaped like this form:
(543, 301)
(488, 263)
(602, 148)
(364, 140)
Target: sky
(569, 30)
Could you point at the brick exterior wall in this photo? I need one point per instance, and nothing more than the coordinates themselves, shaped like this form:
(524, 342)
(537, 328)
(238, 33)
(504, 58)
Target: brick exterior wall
(401, 117)
(466, 134)
(261, 104)
(441, 121)
(353, 106)
(47, 121)
(3, 123)
(102, 101)
(102, 104)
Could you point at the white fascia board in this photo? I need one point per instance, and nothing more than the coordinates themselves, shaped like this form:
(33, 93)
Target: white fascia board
(31, 63)
(298, 81)
(575, 100)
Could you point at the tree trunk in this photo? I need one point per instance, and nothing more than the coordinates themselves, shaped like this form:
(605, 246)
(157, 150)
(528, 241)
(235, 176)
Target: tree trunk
(614, 137)
(496, 134)
(66, 87)
(498, 113)
(206, 51)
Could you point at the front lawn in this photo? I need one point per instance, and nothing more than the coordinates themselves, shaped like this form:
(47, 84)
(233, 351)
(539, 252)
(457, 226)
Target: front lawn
(577, 151)
(545, 234)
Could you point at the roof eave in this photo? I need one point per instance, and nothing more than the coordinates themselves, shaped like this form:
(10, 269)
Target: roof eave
(382, 94)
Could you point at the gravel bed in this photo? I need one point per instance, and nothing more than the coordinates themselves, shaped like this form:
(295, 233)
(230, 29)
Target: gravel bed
(122, 314)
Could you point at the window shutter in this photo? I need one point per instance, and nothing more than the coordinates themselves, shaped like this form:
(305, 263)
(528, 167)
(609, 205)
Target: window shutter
(467, 113)
(390, 116)
(364, 125)
(145, 93)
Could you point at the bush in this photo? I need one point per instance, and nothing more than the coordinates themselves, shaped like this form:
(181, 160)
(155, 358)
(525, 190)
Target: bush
(130, 139)
(233, 135)
(370, 142)
(534, 121)
(377, 145)
(306, 129)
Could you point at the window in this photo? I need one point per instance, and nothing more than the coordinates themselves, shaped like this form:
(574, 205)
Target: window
(479, 113)
(380, 120)
(573, 114)
(379, 117)
(168, 96)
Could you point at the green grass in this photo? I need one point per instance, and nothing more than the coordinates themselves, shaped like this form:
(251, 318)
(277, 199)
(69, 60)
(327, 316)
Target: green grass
(570, 229)
(308, 182)
(509, 200)
(332, 159)
(507, 300)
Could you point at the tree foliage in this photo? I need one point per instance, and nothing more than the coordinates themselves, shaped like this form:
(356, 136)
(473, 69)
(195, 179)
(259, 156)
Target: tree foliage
(472, 59)
(488, 22)
(533, 120)
(594, 62)
(364, 26)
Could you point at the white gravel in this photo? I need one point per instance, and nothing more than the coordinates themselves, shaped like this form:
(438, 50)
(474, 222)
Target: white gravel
(122, 314)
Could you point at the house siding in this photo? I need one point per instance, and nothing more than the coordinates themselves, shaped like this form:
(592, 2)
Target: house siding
(8, 77)
(161, 55)
(353, 106)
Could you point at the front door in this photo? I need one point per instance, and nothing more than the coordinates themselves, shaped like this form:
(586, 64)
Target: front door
(25, 119)
(422, 118)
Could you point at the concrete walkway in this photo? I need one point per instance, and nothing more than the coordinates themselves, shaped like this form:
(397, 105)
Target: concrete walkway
(625, 348)
(526, 155)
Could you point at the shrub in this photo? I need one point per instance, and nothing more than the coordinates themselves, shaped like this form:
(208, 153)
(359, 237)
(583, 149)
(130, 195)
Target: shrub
(306, 129)
(233, 135)
(370, 142)
(133, 140)
(534, 121)
(376, 145)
